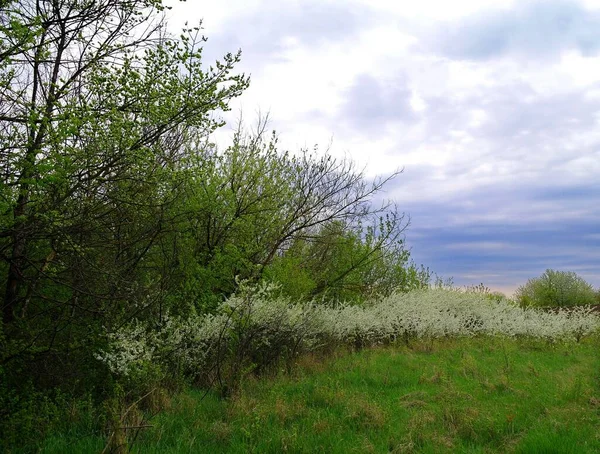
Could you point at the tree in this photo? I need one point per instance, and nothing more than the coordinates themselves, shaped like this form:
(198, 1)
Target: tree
(251, 205)
(556, 289)
(350, 262)
(97, 105)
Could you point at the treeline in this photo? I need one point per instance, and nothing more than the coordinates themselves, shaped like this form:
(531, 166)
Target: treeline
(115, 206)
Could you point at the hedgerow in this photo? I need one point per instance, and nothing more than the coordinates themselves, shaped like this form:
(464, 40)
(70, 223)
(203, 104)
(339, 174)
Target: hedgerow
(257, 328)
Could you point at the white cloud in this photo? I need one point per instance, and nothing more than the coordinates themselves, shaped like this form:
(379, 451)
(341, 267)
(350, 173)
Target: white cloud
(492, 128)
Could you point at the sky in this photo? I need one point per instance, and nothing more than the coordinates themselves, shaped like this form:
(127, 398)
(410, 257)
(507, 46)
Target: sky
(490, 107)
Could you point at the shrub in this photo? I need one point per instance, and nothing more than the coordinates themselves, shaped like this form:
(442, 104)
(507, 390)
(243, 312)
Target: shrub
(252, 330)
(556, 289)
(258, 328)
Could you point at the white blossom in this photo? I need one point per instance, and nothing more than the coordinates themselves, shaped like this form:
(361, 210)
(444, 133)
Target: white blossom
(269, 321)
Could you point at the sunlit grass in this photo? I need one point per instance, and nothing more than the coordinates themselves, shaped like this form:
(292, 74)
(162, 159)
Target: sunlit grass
(453, 395)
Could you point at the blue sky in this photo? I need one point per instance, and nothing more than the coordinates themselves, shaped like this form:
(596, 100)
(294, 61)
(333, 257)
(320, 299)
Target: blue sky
(492, 108)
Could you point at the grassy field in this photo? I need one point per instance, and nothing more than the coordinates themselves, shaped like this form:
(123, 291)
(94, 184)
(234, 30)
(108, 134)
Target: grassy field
(459, 395)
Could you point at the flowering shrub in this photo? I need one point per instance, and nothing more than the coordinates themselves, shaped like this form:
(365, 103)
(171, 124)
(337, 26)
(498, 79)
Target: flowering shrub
(178, 344)
(443, 312)
(250, 331)
(257, 328)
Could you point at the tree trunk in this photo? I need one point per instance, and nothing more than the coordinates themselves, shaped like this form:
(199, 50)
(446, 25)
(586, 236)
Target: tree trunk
(17, 259)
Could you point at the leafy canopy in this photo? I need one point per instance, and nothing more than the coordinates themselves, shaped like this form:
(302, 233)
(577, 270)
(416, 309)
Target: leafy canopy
(556, 288)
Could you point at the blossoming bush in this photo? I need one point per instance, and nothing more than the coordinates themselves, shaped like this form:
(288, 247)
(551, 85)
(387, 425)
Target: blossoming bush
(250, 331)
(179, 345)
(443, 312)
(257, 328)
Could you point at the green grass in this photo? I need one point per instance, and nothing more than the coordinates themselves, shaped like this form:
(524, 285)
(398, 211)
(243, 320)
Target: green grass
(462, 395)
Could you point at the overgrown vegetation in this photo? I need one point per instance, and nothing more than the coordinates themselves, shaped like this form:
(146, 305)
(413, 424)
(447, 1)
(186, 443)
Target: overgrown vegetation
(138, 258)
(445, 396)
(257, 329)
(117, 211)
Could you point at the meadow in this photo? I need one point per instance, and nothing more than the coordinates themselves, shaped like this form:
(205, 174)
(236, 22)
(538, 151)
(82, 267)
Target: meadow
(433, 370)
(478, 395)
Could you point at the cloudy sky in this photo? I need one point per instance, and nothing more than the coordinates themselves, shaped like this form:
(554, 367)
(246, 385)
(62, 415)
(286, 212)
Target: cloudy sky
(491, 107)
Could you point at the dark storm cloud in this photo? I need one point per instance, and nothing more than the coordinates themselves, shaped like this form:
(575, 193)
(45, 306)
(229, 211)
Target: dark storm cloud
(535, 29)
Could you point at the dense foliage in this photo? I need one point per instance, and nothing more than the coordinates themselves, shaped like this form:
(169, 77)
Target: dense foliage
(116, 210)
(125, 232)
(556, 289)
